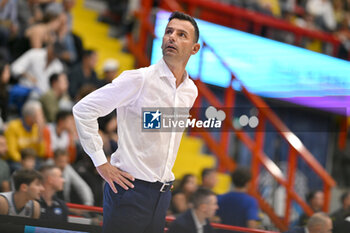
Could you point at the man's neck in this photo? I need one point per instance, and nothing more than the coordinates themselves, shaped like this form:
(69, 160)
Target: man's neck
(200, 216)
(177, 69)
(86, 70)
(47, 195)
(59, 130)
(20, 199)
(240, 190)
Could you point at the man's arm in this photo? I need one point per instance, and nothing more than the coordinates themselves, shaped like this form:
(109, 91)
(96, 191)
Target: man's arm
(123, 91)
(12, 144)
(252, 224)
(19, 66)
(5, 186)
(80, 186)
(253, 214)
(4, 206)
(36, 211)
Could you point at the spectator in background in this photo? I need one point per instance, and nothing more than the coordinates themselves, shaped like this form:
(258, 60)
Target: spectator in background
(339, 215)
(196, 219)
(318, 223)
(209, 178)
(26, 132)
(110, 70)
(237, 207)
(51, 30)
(28, 156)
(316, 201)
(343, 34)
(36, 66)
(29, 13)
(51, 207)
(83, 73)
(4, 94)
(71, 41)
(86, 170)
(61, 135)
(108, 132)
(339, 11)
(56, 96)
(4, 168)
(323, 12)
(8, 23)
(22, 202)
(72, 179)
(181, 197)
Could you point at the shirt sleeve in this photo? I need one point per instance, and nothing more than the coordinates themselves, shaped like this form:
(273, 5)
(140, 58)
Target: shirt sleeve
(253, 211)
(80, 186)
(12, 144)
(19, 66)
(123, 91)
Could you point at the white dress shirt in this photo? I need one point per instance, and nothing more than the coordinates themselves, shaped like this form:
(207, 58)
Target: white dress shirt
(34, 63)
(199, 225)
(148, 156)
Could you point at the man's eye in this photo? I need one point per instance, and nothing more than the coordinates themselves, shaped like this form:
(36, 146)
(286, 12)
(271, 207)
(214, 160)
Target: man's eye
(182, 34)
(168, 31)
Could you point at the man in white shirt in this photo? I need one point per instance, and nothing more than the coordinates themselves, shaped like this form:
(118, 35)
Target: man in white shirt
(139, 174)
(36, 66)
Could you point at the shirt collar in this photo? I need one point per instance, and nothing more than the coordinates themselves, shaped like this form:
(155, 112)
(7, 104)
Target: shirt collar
(166, 72)
(196, 220)
(25, 126)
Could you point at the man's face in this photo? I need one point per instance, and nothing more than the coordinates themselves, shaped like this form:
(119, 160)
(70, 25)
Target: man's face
(346, 203)
(68, 123)
(3, 146)
(62, 83)
(28, 163)
(35, 189)
(179, 41)
(93, 60)
(56, 179)
(210, 180)
(318, 201)
(61, 161)
(211, 206)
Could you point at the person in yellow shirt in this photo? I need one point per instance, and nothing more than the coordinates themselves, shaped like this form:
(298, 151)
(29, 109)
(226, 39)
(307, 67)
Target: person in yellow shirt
(26, 132)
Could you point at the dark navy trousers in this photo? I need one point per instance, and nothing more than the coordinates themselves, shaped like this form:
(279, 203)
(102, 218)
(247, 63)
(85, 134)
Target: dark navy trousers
(138, 210)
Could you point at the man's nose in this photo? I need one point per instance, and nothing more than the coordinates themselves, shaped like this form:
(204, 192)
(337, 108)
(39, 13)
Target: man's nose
(172, 37)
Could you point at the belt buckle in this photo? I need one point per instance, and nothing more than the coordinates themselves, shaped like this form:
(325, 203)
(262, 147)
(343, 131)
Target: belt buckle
(164, 187)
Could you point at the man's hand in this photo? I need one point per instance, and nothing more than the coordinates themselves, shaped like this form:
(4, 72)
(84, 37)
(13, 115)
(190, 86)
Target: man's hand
(112, 174)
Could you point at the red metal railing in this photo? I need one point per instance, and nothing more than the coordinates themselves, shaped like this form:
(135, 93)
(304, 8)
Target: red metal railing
(246, 20)
(223, 13)
(171, 218)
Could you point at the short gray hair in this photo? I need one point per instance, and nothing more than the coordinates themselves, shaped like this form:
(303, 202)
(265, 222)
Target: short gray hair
(317, 219)
(30, 107)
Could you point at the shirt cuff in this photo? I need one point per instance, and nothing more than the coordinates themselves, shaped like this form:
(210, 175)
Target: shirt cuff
(98, 158)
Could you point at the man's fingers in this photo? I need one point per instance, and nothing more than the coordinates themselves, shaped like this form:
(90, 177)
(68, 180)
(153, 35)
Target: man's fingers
(126, 182)
(127, 175)
(118, 181)
(111, 184)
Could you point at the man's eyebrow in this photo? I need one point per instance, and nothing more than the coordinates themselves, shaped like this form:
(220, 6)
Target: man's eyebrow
(181, 30)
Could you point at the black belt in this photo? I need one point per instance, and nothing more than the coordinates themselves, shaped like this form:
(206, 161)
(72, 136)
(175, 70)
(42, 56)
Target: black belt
(162, 187)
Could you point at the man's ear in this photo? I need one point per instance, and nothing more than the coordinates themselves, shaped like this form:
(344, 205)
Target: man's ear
(195, 48)
(23, 187)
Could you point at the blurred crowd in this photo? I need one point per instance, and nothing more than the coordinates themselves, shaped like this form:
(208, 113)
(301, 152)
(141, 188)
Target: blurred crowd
(44, 70)
(330, 16)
